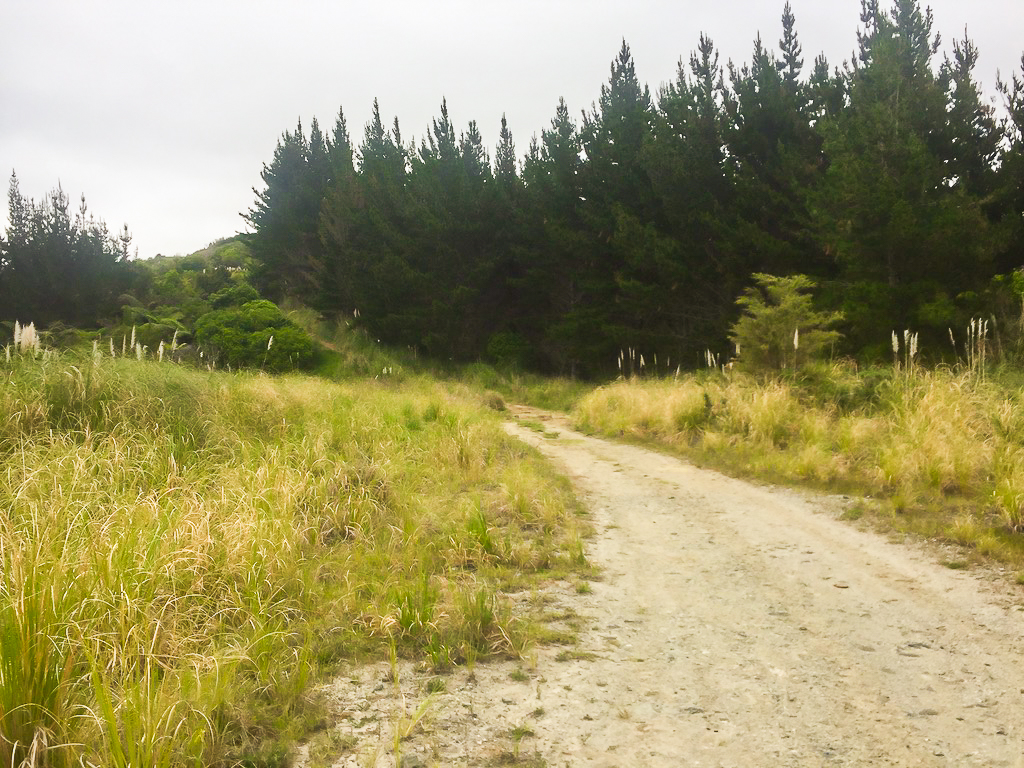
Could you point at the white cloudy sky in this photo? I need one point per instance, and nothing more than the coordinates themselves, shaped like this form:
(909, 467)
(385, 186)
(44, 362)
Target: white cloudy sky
(163, 113)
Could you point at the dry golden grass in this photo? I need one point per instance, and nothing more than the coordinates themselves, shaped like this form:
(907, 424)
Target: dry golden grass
(927, 440)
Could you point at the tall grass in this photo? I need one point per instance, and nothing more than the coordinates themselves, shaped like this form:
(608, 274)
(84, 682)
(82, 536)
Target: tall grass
(348, 351)
(554, 393)
(183, 553)
(925, 439)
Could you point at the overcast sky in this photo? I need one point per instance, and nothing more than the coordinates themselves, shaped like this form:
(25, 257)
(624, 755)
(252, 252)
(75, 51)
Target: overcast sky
(163, 113)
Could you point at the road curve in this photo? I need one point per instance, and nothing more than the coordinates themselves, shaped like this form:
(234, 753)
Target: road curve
(744, 625)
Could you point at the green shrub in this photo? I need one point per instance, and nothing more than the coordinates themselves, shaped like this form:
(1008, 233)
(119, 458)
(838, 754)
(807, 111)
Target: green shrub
(235, 295)
(255, 335)
(152, 333)
(780, 327)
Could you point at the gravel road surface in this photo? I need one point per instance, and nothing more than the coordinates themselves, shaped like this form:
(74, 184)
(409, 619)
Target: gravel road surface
(733, 625)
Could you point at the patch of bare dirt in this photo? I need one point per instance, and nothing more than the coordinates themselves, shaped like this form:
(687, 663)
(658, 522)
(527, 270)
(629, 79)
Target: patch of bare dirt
(734, 625)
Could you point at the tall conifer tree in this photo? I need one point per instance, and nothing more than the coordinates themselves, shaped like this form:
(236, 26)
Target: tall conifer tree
(505, 166)
(59, 266)
(1008, 202)
(890, 211)
(775, 157)
(285, 218)
(558, 264)
(618, 199)
(339, 217)
(692, 275)
(973, 132)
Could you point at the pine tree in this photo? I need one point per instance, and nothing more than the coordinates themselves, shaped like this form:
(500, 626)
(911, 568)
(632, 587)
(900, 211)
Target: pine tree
(437, 189)
(618, 197)
(907, 241)
(973, 133)
(792, 63)
(18, 210)
(366, 234)
(339, 148)
(506, 301)
(558, 264)
(454, 237)
(318, 160)
(286, 217)
(381, 155)
(55, 266)
(691, 274)
(612, 136)
(1008, 200)
(505, 167)
(475, 160)
(385, 286)
(1013, 96)
(339, 211)
(826, 92)
(775, 158)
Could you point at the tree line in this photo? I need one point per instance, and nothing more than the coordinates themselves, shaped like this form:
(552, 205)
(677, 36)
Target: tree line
(891, 181)
(57, 265)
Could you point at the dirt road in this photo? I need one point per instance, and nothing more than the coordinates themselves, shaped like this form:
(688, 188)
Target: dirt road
(737, 625)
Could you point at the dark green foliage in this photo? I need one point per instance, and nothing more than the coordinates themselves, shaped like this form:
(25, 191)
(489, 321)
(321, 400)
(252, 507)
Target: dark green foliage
(286, 214)
(974, 134)
(896, 206)
(775, 159)
(234, 295)
(780, 328)
(505, 159)
(889, 182)
(59, 266)
(686, 269)
(254, 335)
(509, 349)
(618, 196)
(1008, 200)
(558, 260)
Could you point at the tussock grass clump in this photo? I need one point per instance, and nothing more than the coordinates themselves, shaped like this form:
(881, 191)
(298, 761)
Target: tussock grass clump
(927, 440)
(183, 553)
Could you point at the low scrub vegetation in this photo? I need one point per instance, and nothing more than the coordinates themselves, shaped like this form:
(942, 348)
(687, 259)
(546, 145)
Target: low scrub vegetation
(254, 335)
(183, 553)
(943, 446)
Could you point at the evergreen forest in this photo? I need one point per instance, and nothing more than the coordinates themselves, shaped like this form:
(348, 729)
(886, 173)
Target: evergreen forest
(892, 183)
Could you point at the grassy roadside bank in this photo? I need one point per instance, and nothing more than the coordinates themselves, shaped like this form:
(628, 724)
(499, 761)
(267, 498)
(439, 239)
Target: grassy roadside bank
(183, 553)
(944, 450)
